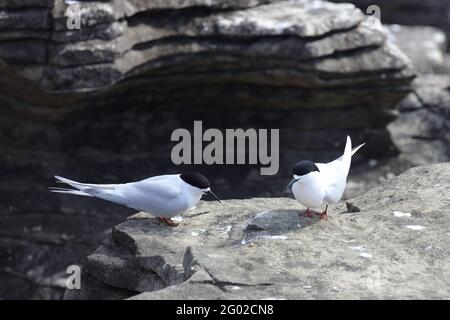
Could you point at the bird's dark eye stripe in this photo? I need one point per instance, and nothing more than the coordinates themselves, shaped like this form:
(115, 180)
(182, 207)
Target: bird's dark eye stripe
(304, 167)
(195, 179)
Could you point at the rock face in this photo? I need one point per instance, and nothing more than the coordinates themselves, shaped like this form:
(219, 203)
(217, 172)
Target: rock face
(394, 248)
(409, 12)
(99, 104)
(424, 123)
(113, 92)
(300, 44)
(424, 115)
(110, 94)
(421, 129)
(428, 57)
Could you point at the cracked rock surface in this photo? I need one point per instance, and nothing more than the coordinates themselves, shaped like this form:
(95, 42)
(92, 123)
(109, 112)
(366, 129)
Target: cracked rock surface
(396, 247)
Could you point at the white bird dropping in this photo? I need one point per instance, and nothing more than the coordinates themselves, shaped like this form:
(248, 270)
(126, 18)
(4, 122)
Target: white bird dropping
(316, 185)
(163, 196)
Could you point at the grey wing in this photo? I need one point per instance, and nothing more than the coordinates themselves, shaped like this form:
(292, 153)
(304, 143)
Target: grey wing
(151, 194)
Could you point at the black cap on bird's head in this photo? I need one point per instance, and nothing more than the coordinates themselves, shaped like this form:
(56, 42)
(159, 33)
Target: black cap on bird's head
(301, 169)
(195, 179)
(199, 181)
(304, 167)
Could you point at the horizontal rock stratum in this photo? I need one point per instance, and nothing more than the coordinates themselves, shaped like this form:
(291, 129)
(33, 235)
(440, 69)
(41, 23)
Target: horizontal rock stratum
(285, 46)
(396, 247)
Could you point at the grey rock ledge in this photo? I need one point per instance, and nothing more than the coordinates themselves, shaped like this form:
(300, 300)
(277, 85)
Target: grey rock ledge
(262, 248)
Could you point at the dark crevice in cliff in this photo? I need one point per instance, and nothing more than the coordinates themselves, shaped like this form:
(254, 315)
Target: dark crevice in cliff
(173, 17)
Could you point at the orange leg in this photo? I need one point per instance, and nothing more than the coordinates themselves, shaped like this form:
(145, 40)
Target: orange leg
(308, 213)
(323, 215)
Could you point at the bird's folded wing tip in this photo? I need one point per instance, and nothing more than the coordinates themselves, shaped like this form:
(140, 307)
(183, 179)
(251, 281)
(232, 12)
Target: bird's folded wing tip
(59, 179)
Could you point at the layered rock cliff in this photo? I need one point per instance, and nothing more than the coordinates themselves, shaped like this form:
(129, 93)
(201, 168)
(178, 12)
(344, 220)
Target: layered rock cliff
(99, 104)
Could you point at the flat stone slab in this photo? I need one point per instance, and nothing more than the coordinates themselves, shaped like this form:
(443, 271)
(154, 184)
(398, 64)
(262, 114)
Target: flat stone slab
(396, 247)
